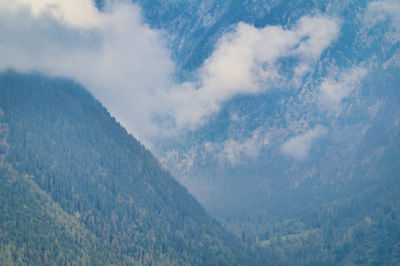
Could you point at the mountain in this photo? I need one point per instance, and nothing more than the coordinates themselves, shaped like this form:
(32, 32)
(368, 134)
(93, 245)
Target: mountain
(78, 189)
(194, 27)
(308, 166)
(281, 118)
(36, 230)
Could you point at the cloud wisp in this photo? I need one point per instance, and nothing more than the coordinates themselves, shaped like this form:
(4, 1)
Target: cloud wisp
(335, 88)
(126, 64)
(298, 147)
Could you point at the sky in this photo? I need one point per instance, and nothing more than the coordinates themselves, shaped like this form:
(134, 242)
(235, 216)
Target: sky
(127, 66)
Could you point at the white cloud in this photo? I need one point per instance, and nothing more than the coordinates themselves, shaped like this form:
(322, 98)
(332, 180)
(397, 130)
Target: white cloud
(336, 87)
(127, 66)
(72, 12)
(118, 58)
(316, 34)
(235, 151)
(381, 10)
(299, 146)
(246, 61)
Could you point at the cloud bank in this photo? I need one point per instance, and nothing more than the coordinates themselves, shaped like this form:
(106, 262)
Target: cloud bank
(114, 54)
(126, 64)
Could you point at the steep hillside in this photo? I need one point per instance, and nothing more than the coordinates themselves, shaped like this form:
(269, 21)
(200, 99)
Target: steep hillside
(34, 230)
(68, 146)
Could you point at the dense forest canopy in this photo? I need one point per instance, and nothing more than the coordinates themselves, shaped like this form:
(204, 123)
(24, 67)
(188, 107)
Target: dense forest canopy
(66, 150)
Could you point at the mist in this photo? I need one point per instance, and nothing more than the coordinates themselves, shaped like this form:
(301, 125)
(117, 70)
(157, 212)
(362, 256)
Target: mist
(128, 67)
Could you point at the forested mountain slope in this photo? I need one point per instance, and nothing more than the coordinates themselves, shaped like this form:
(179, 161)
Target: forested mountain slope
(66, 148)
(34, 230)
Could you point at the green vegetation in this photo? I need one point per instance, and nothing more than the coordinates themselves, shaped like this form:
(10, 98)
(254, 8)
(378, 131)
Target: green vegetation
(34, 230)
(372, 240)
(360, 226)
(72, 152)
(291, 237)
(78, 189)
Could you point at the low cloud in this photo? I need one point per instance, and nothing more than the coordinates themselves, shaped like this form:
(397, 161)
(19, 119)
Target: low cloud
(336, 87)
(114, 54)
(386, 13)
(75, 13)
(237, 151)
(299, 146)
(127, 66)
(382, 10)
(250, 61)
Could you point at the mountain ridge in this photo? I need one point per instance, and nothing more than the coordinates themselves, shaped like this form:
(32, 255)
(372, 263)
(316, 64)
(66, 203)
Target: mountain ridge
(70, 146)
